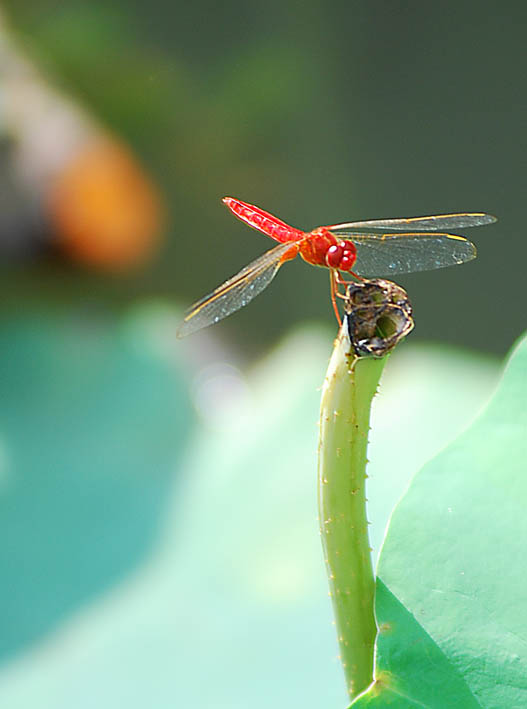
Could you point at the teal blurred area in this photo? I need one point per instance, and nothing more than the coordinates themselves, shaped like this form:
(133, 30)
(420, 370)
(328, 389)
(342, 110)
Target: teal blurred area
(93, 424)
(140, 571)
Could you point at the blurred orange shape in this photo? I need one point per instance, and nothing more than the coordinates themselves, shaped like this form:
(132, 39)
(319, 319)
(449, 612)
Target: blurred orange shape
(105, 210)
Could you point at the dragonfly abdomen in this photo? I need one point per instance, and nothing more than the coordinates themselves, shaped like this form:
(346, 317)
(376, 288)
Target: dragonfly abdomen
(263, 221)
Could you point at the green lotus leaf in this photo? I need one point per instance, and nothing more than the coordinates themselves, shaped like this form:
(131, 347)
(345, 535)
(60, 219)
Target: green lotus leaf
(451, 591)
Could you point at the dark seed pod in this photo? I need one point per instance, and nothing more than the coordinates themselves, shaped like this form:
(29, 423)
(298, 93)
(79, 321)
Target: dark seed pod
(378, 316)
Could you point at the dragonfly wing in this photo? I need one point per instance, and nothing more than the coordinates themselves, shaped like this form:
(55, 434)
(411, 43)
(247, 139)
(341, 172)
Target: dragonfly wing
(236, 292)
(387, 254)
(441, 221)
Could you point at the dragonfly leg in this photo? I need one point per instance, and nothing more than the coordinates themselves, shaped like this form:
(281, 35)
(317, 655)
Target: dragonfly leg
(343, 281)
(333, 281)
(339, 280)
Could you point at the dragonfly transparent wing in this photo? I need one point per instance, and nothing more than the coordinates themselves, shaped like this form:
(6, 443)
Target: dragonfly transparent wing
(387, 254)
(441, 221)
(236, 292)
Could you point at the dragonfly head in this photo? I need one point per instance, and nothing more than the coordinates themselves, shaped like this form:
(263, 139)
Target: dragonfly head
(341, 255)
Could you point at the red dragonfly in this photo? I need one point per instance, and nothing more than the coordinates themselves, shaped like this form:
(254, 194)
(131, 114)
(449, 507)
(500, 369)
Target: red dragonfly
(340, 248)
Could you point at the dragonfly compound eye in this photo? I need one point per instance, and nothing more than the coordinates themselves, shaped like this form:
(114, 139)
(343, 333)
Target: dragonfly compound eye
(334, 255)
(346, 262)
(349, 254)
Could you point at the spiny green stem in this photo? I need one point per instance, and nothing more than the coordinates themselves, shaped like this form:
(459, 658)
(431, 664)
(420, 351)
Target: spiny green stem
(347, 394)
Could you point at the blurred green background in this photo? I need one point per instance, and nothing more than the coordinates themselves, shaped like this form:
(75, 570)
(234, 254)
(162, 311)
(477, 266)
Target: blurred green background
(318, 112)
(157, 498)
